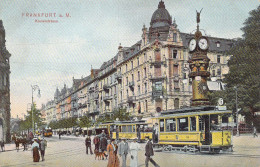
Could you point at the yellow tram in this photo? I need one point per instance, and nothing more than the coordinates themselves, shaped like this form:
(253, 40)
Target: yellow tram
(47, 133)
(129, 130)
(195, 129)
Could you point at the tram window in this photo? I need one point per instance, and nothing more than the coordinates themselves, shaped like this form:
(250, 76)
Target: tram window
(141, 128)
(224, 119)
(161, 125)
(123, 128)
(201, 123)
(133, 128)
(192, 124)
(129, 128)
(183, 124)
(170, 125)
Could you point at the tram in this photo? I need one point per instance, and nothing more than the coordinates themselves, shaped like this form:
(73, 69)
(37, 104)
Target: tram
(194, 129)
(128, 129)
(47, 133)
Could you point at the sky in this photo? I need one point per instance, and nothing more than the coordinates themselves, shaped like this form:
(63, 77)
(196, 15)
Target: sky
(51, 54)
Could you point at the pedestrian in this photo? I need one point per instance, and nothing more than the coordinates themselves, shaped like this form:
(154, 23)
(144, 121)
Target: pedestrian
(138, 133)
(43, 145)
(103, 146)
(133, 148)
(113, 160)
(88, 145)
(30, 135)
(24, 143)
(17, 143)
(35, 149)
(255, 135)
(149, 153)
(123, 151)
(2, 143)
(103, 134)
(156, 132)
(117, 133)
(96, 141)
(59, 134)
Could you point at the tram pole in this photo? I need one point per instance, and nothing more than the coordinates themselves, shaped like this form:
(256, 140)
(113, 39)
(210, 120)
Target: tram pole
(236, 113)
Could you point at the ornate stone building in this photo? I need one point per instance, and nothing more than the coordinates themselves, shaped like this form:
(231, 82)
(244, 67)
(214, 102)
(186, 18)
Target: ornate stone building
(147, 78)
(4, 88)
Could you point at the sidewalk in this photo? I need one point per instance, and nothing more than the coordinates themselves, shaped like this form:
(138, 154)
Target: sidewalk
(11, 147)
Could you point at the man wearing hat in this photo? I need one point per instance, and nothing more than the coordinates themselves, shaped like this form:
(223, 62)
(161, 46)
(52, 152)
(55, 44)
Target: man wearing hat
(43, 145)
(149, 152)
(123, 151)
(134, 147)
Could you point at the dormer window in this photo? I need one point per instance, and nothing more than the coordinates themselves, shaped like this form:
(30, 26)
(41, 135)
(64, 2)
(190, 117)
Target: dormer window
(218, 44)
(174, 37)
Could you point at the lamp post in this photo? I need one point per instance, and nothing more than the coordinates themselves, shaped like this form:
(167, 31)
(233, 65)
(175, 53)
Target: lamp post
(236, 112)
(34, 88)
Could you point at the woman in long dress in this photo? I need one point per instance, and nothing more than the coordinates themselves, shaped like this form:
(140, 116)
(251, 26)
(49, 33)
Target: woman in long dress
(113, 160)
(134, 147)
(35, 149)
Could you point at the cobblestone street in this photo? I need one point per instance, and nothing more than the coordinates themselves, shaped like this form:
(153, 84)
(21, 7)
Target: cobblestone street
(70, 151)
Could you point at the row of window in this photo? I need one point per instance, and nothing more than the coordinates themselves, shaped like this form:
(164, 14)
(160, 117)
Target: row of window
(170, 124)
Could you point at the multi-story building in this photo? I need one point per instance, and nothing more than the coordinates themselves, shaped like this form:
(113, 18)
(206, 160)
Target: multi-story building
(149, 77)
(48, 112)
(4, 88)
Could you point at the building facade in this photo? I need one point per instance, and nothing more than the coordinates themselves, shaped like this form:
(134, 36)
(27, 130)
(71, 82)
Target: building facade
(4, 88)
(147, 78)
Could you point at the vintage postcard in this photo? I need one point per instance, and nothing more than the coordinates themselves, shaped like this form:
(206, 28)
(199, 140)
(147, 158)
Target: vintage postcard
(131, 83)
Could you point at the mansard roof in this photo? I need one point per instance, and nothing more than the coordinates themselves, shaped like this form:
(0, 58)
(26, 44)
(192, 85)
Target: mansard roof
(225, 44)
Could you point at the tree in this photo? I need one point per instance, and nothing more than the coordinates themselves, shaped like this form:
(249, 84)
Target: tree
(244, 70)
(85, 122)
(121, 114)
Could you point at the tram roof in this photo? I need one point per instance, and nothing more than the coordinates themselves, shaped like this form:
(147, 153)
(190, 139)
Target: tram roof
(189, 109)
(209, 112)
(127, 122)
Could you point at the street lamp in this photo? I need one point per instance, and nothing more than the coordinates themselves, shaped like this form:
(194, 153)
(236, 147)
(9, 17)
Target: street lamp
(34, 88)
(236, 112)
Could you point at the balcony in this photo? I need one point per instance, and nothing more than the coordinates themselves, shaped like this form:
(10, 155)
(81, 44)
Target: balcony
(91, 89)
(157, 78)
(118, 76)
(131, 84)
(131, 99)
(106, 87)
(157, 64)
(94, 112)
(96, 96)
(107, 98)
(157, 94)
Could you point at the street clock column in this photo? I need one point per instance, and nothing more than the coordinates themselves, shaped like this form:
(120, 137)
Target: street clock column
(199, 62)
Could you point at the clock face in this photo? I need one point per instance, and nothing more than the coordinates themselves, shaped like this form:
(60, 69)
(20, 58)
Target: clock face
(203, 43)
(192, 45)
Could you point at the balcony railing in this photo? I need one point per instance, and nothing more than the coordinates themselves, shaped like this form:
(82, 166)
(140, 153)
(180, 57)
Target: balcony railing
(157, 64)
(91, 89)
(131, 84)
(95, 96)
(106, 87)
(106, 98)
(118, 76)
(159, 78)
(157, 94)
(131, 99)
